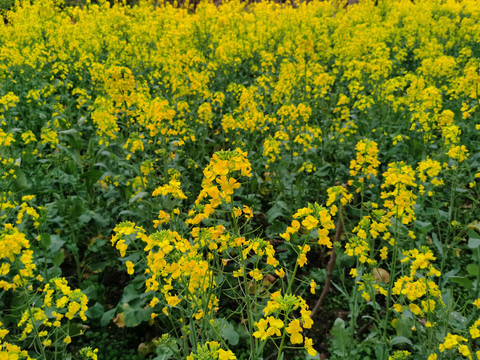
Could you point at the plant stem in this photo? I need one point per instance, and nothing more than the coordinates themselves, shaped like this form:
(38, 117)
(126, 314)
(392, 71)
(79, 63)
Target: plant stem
(30, 312)
(330, 267)
(282, 341)
(390, 285)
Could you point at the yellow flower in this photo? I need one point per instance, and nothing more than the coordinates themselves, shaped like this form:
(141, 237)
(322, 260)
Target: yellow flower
(130, 267)
(450, 342)
(383, 253)
(280, 273)
(309, 222)
(302, 260)
(262, 326)
(477, 303)
(256, 274)
(248, 212)
(294, 329)
(47, 342)
(309, 347)
(173, 300)
(226, 355)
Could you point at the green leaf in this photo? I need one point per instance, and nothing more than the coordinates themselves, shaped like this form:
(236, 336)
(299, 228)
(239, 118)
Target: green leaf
(437, 244)
(21, 182)
(135, 316)
(457, 320)
(56, 243)
(424, 227)
(278, 209)
(463, 281)
(85, 217)
(473, 243)
(228, 332)
(443, 215)
(138, 196)
(68, 132)
(45, 240)
(129, 294)
(323, 170)
(403, 327)
(96, 311)
(107, 316)
(400, 340)
(163, 353)
(58, 259)
(341, 337)
(101, 219)
(472, 269)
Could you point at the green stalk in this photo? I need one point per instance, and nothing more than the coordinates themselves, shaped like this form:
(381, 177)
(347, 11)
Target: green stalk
(248, 305)
(282, 341)
(289, 288)
(250, 319)
(390, 285)
(477, 286)
(35, 329)
(353, 317)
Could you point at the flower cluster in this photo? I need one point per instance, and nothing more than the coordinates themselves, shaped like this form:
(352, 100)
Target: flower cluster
(16, 259)
(219, 184)
(211, 350)
(315, 217)
(366, 163)
(399, 180)
(277, 319)
(59, 302)
(418, 289)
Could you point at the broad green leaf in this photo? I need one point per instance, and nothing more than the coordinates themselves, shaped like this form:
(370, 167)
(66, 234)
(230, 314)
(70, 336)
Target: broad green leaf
(473, 243)
(461, 280)
(278, 209)
(107, 316)
(58, 259)
(437, 244)
(96, 311)
(400, 340)
(472, 269)
(129, 294)
(45, 240)
(228, 332)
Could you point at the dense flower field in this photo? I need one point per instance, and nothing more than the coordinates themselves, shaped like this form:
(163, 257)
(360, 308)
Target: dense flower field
(248, 181)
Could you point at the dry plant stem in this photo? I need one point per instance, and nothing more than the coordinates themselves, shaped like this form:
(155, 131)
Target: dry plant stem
(330, 266)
